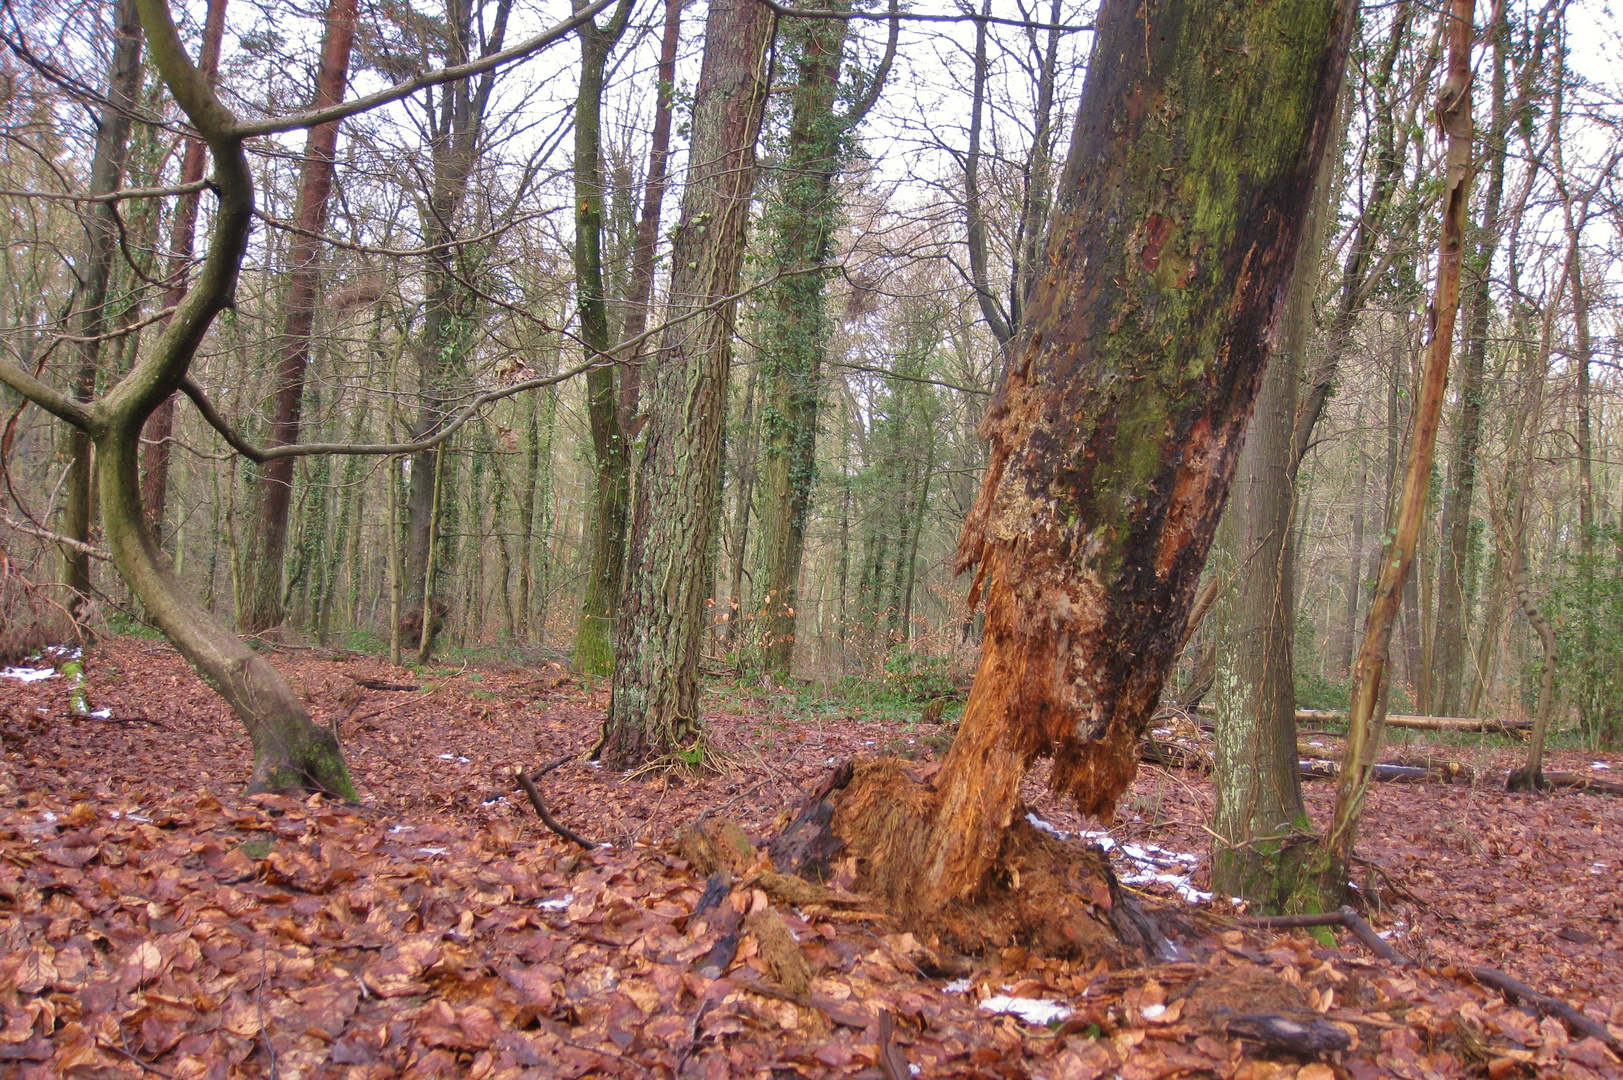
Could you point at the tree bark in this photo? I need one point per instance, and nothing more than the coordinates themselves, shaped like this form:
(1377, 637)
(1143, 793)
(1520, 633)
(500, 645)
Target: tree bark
(267, 537)
(1118, 421)
(182, 235)
(1255, 773)
(95, 274)
(1455, 530)
(1363, 732)
(611, 488)
(653, 708)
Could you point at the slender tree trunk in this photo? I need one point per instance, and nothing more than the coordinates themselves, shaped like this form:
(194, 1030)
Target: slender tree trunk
(611, 488)
(647, 243)
(1355, 580)
(743, 466)
(95, 273)
(1118, 421)
(801, 226)
(997, 320)
(1363, 732)
(1451, 637)
(182, 234)
(655, 701)
(267, 537)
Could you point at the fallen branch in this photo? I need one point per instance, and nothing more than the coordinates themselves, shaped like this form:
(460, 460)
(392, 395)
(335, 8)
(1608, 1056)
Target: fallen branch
(1569, 781)
(1514, 989)
(892, 1062)
(547, 819)
(379, 684)
(1418, 723)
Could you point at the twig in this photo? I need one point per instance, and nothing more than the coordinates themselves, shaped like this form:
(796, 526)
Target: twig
(1376, 944)
(145, 1064)
(547, 819)
(606, 1053)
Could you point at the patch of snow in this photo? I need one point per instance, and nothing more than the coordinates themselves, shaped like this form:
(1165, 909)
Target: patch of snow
(958, 986)
(47, 816)
(431, 851)
(28, 674)
(102, 714)
(556, 905)
(131, 815)
(452, 757)
(1154, 1012)
(1150, 860)
(1599, 765)
(401, 828)
(1598, 868)
(1033, 1011)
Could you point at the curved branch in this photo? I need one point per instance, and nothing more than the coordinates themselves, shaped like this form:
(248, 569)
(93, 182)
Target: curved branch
(881, 73)
(523, 49)
(48, 398)
(113, 196)
(787, 12)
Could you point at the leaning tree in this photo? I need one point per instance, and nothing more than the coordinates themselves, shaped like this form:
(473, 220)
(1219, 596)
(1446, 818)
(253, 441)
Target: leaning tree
(290, 751)
(1114, 434)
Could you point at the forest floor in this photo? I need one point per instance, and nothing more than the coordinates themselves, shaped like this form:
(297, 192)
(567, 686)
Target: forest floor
(155, 921)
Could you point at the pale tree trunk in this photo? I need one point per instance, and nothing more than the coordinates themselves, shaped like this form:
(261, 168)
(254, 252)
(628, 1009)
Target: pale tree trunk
(1116, 427)
(182, 233)
(611, 488)
(654, 706)
(267, 538)
(1363, 730)
(742, 465)
(95, 272)
(1259, 813)
(1355, 579)
(1451, 638)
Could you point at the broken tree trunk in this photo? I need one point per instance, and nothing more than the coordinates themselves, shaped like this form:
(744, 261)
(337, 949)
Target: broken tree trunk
(1114, 435)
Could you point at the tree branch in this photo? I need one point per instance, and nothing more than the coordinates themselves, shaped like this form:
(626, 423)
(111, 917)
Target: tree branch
(523, 49)
(57, 404)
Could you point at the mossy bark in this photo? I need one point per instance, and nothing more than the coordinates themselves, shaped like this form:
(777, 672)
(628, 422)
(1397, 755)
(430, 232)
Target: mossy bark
(1116, 427)
(653, 708)
(801, 222)
(611, 488)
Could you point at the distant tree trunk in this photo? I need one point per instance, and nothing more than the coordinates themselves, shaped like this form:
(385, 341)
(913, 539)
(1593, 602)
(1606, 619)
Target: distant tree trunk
(1117, 424)
(95, 272)
(800, 224)
(182, 233)
(997, 320)
(1355, 579)
(1255, 776)
(743, 466)
(267, 538)
(611, 488)
(655, 701)
(1363, 729)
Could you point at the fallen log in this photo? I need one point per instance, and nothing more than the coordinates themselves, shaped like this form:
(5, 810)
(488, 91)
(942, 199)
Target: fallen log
(1417, 723)
(1321, 769)
(1517, 780)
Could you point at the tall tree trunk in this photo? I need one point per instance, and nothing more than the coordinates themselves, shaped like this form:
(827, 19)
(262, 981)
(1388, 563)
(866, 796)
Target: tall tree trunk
(743, 466)
(95, 272)
(1355, 579)
(1363, 731)
(801, 225)
(1255, 775)
(655, 701)
(448, 306)
(182, 234)
(1117, 424)
(611, 488)
(267, 537)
